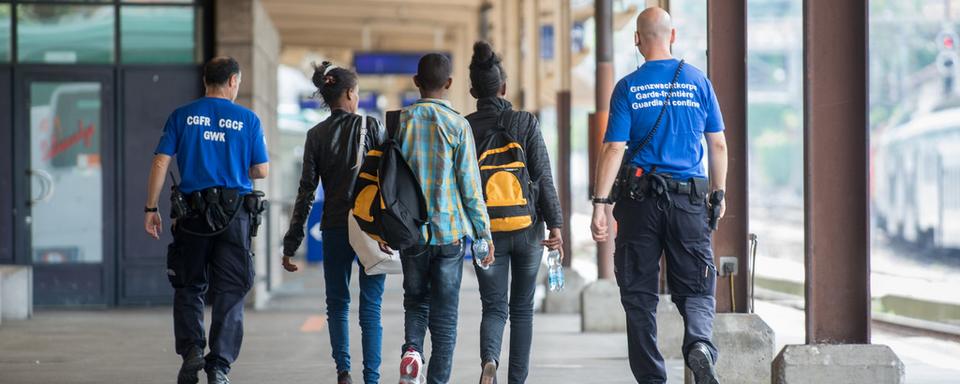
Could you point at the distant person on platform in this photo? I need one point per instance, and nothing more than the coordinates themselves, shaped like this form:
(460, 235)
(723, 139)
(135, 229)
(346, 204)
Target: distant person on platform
(219, 147)
(663, 110)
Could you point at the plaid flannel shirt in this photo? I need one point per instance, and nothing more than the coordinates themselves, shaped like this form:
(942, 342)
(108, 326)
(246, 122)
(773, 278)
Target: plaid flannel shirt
(438, 144)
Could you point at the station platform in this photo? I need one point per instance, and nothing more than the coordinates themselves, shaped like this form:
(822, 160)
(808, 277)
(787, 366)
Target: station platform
(288, 343)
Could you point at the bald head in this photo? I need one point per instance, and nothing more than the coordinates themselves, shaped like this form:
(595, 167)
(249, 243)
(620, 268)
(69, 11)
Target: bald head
(654, 24)
(654, 32)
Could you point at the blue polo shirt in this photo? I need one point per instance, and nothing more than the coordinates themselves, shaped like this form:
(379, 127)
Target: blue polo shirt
(677, 148)
(216, 142)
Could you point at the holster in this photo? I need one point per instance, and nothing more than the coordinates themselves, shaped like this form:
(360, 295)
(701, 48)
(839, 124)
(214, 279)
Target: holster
(256, 204)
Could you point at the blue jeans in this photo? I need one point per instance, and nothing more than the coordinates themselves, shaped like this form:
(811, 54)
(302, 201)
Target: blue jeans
(338, 259)
(431, 298)
(517, 255)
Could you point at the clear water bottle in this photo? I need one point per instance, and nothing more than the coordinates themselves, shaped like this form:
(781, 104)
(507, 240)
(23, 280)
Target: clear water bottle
(480, 251)
(555, 268)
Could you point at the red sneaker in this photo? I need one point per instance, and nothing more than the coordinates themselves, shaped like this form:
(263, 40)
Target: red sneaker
(411, 367)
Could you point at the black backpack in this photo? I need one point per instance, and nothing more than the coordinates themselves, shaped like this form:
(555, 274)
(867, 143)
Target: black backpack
(509, 193)
(389, 203)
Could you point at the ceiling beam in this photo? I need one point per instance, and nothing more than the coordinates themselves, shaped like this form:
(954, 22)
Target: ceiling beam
(299, 25)
(334, 5)
(364, 13)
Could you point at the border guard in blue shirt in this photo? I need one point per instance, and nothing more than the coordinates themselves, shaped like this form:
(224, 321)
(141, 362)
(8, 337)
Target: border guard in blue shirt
(652, 166)
(219, 147)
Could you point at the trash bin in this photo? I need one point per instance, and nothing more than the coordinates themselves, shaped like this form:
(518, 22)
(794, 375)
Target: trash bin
(314, 238)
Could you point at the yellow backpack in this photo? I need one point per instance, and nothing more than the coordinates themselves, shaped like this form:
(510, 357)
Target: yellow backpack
(507, 189)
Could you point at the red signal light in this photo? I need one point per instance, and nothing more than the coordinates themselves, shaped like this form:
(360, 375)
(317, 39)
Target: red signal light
(948, 42)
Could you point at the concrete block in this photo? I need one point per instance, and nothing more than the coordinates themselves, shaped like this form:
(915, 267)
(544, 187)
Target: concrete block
(602, 310)
(848, 364)
(669, 329)
(746, 346)
(16, 289)
(568, 299)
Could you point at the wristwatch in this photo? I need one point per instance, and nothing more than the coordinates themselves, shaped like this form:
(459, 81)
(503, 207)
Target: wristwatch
(601, 200)
(148, 209)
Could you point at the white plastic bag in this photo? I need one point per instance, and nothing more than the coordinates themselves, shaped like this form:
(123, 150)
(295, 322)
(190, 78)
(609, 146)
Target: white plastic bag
(374, 261)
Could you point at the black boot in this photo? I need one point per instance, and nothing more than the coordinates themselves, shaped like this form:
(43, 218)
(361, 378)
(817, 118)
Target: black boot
(701, 364)
(344, 378)
(217, 376)
(192, 364)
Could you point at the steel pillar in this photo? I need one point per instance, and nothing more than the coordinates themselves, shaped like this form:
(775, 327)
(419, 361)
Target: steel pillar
(603, 12)
(727, 67)
(836, 172)
(562, 27)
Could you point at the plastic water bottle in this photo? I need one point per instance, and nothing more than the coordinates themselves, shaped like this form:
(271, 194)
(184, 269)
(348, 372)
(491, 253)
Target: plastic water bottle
(555, 267)
(480, 251)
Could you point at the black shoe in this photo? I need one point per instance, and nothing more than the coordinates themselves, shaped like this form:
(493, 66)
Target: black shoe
(489, 374)
(701, 364)
(192, 364)
(217, 376)
(344, 378)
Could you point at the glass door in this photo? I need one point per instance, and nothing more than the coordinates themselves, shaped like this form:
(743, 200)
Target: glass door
(64, 136)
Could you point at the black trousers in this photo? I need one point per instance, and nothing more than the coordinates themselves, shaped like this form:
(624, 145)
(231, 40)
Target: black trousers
(676, 227)
(222, 264)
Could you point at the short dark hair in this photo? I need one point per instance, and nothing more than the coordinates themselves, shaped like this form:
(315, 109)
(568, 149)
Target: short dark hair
(219, 70)
(433, 71)
(332, 82)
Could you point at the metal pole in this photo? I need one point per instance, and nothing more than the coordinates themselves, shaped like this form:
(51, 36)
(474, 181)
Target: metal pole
(727, 66)
(564, 65)
(836, 172)
(603, 12)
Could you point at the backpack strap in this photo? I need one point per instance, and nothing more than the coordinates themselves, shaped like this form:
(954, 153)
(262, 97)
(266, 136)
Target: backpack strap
(505, 122)
(361, 144)
(393, 123)
(361, 152)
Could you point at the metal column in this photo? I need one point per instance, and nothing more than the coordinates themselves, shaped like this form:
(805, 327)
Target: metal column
(603, 13)
(727, 67)
(836, 172)
(563, 59)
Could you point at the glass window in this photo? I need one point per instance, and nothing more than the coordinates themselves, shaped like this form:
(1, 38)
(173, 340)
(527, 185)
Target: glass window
(66, 172)
(915, 165)
(4, 33)
(158, 35)
(65, 33)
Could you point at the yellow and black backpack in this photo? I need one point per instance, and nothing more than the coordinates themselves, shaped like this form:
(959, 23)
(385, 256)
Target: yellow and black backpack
(387, 201)
(507, 188)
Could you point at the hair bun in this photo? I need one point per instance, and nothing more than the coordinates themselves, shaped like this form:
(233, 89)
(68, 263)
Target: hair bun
(483, 56)
(320, 78)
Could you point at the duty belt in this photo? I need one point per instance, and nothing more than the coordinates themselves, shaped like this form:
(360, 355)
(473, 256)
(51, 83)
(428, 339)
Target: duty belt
(658, 184)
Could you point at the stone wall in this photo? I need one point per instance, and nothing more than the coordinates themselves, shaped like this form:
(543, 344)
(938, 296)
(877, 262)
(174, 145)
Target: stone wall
(245, 32)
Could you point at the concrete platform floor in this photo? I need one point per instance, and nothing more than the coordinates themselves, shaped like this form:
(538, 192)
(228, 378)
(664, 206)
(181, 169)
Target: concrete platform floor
(286, 343)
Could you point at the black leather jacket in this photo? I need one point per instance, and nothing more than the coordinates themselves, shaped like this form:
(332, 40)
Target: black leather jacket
(538, 160)
(329, 154)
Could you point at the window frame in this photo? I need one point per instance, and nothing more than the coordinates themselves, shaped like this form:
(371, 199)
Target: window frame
(203, 29)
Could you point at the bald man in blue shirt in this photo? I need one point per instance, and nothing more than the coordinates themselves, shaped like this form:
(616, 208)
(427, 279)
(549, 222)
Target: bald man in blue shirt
(664, 110)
